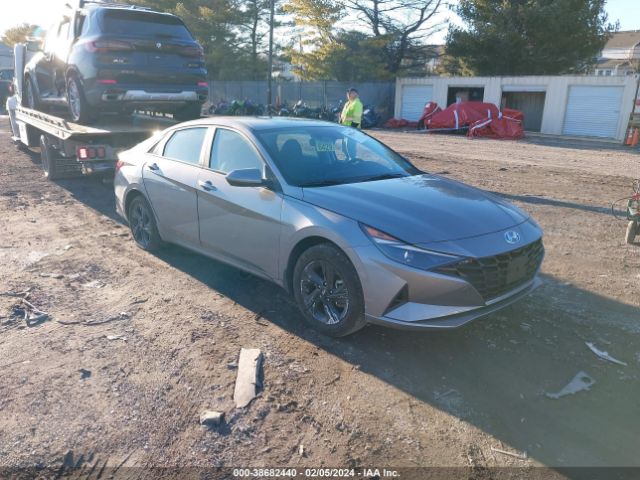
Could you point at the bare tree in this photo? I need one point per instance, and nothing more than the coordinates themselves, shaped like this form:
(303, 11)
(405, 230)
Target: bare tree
(401, 26)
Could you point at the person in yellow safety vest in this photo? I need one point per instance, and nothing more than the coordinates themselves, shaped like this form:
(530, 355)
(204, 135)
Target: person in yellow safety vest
(351, 115)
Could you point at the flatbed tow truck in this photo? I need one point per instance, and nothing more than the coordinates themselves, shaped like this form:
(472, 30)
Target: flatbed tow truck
(69, 150)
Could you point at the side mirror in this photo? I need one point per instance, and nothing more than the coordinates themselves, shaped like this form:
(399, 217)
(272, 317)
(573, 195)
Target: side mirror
(246, 177)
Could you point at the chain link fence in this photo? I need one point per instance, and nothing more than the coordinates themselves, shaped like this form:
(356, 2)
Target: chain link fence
(326, 94)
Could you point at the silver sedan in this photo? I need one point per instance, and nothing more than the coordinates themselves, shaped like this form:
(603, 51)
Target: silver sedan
(349, 227)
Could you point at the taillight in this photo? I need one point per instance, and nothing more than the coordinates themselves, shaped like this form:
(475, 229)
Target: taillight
(203, 84)
(90, 153)
(194, 51)
(102, 46)
(107, 81)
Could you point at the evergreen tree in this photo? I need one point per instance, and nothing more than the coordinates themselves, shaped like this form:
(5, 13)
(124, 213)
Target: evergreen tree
(528, 37)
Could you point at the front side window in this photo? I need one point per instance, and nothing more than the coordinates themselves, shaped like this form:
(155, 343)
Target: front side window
(231, 151)
(185, 145)
(330, 155)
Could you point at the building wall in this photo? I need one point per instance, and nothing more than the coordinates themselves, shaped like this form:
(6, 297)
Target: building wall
(556, 88)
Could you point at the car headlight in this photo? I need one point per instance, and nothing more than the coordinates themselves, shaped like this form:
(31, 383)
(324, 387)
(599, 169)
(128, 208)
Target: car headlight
(407, 254)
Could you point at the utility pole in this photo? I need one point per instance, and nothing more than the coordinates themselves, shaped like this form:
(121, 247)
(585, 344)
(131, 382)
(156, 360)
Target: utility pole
(272, 7)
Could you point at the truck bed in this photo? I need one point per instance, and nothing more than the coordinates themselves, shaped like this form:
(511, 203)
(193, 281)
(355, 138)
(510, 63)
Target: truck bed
(63, 129)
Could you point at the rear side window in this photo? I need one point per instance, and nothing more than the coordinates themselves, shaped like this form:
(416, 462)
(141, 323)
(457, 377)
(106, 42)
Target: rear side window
(186, 145)
(144, 24)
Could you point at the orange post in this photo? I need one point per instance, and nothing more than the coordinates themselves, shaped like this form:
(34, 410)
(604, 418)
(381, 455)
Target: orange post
(635, 137)
(627, 140)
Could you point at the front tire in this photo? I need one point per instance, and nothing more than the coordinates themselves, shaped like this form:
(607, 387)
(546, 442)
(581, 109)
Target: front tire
(79, 108)
(31, 97)
(328, 292)
(143, 225)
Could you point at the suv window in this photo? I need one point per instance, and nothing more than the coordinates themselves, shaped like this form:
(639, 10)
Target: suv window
(186, 145)
(145, 24)
(231, 151)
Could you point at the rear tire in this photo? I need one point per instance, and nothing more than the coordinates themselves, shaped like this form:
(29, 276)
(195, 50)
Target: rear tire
(143, 225)
(632, 230)
(79, 108)
(188, 112)
(328, 292)
(48, 159)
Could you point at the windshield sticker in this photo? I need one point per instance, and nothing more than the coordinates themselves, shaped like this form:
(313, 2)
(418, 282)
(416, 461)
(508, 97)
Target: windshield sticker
(325, 147)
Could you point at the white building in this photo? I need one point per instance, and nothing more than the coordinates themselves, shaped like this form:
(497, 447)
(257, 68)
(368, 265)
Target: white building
(6, 57)
(621, 54)
(590, 106)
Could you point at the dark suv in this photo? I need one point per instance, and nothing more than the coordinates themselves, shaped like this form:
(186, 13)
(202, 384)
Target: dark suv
(104, 57)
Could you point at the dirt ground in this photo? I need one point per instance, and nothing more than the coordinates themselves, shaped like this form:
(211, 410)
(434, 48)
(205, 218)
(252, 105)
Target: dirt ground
(138, 345)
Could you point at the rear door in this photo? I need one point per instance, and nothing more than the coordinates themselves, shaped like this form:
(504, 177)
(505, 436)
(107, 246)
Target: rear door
(170, 176)
(149, 48)
(240, 224)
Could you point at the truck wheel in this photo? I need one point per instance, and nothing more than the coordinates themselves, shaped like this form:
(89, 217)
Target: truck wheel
(189, 112)
(632, 231)
(79, 108)
(48, 158)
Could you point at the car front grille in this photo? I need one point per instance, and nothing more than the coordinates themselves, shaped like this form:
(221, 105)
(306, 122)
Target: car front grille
(497, 275)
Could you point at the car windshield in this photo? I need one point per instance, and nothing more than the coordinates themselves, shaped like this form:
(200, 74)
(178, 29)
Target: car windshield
(316, 156)
(123, 22)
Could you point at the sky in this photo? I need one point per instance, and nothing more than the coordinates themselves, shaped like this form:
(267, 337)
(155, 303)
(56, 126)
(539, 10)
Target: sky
(44, 12)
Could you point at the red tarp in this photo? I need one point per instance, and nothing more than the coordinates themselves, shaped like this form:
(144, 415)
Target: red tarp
(430, 109)
(503, 128)
(399, 123)
(459, 115)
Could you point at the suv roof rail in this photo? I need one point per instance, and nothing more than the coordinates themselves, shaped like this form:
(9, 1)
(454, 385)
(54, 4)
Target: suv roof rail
(82, 3)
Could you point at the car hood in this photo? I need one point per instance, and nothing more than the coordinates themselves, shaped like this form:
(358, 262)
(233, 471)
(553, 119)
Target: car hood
(419, 209)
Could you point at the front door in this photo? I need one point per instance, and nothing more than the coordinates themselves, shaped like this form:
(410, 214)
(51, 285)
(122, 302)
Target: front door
(239, 224)
(170, 179)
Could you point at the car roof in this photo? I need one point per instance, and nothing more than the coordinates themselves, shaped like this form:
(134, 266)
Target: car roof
(261, 123)
(121, 7)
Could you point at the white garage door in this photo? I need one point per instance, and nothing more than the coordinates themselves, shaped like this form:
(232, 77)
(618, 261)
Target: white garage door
(593, 111)
(413, 99)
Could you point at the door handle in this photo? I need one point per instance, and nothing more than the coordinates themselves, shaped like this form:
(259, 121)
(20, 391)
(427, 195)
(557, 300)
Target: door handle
(207, 186)
(154, 167)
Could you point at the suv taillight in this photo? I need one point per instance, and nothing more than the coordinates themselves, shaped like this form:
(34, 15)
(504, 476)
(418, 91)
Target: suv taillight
(102, 46)
(193, 51)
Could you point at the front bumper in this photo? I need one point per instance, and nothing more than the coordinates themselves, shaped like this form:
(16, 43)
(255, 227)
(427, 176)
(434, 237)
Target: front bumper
(401, 296)
(464, 316)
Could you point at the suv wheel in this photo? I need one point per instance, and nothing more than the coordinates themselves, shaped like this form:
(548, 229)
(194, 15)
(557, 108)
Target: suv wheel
(78, 105)
(328, 291)
(31, 98)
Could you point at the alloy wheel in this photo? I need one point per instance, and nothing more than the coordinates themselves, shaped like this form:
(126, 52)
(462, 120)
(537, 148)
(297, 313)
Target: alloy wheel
(324, 292)
(74, 99)
(141, 226)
